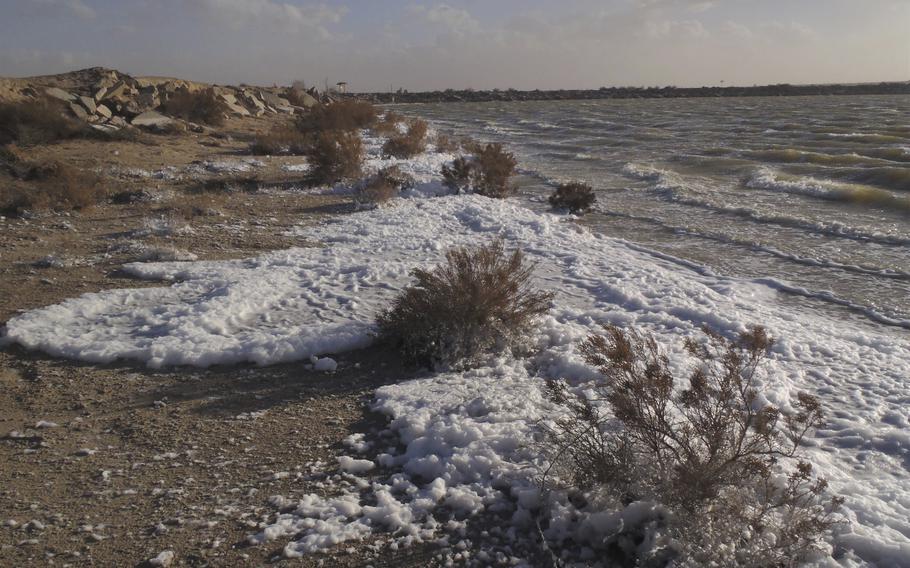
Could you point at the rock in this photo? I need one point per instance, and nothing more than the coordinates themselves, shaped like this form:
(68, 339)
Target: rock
(105, 128)
(103, 111)
(99, 94)
(308, 100)
(89, 104)
(148, 100)
(237, 109)
(60, 94)
(118, 121)
(164, 559)
(152, 118)
(274, 100)
(78, 111)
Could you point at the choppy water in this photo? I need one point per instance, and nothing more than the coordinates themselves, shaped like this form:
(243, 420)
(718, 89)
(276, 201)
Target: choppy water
(810, 193)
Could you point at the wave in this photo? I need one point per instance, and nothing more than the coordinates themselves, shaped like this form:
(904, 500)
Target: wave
(758, 247)
(673, 191)
(767, 179)
(890, 177)
(793, 155)
(864, 137)
(781, 286)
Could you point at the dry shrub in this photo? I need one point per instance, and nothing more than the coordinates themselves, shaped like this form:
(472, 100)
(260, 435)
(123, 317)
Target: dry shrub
(479, 301)
(342, 115)
(281, 140)
(444, 144)
(409, 144)
(388, 125)
(709, 454)
(487, 174)
(335, 155)
(50, 186)
(385, 186)
(36, 122)
(575, 196)
(200, 106)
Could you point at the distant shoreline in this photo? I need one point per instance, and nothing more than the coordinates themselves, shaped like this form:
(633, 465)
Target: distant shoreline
(781, 90)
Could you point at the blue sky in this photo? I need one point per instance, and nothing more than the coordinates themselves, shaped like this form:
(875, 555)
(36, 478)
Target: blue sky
(418, 45)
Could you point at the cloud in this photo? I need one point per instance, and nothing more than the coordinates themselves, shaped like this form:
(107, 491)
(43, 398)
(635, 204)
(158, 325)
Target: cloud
(241, 13)
(676, 29)
(454, 20)
(77, 8)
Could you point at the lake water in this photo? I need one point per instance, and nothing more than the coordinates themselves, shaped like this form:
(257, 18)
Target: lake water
(810, 193)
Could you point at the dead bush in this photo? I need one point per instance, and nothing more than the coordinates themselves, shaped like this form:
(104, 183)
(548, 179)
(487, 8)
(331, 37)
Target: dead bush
(388, 125)
(444, 144)
(480, 300)
(710, 453)
(335, 155)
(384, 186)
(281, 141)
(51, 185)
(575, 196)
(343, 115)
(199, 106)
(488, 173)
(408, 144)
(39, 121)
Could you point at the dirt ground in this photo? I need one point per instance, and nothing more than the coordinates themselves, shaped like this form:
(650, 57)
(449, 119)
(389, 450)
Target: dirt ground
(110, 465)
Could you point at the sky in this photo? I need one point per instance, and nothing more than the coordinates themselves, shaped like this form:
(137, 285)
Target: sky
(482, 44)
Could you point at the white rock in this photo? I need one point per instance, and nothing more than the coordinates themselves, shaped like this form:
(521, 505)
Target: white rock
(166, 558)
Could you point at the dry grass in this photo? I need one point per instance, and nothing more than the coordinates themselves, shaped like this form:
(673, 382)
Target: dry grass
(488, 173)
(576, 197)
(202, 107)
(408, 144)
(479, 301)
(281, 141)
(336, 155)
(36, 122)
(51, 185)
(709, 453)
(346, 115)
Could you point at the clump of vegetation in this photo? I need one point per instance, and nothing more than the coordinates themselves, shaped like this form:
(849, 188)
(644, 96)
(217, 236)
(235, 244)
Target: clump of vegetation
(39, 121)
(51, 185)
(343, 115)
(709, 455)
(444, 144)
(384, 186)
(388, 125)
(281, 140)
(203, 107)
(479, 301)
(336, 155)
(577, 197)
(488, 173)
(409, 143)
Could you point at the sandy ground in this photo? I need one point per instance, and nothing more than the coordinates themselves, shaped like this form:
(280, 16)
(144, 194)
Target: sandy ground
(111, 465)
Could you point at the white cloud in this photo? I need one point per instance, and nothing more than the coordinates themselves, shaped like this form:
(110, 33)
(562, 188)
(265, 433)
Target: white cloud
(454, 20)
(676, 29)
(77, 8)
(240, 13)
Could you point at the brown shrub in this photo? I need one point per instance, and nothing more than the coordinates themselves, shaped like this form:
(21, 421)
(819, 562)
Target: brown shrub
(36, 122)
(384, 186)
(344, 115)
(388, 125)
(575, 196)
(281, 140)
(444, 144)
(334, 156)
(200, 106)
(50, 186)
(487, 174)
(409, 144)
(709, 453)
(479, 301)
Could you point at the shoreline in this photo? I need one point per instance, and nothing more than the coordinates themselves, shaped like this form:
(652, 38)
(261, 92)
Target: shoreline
(623, 93)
